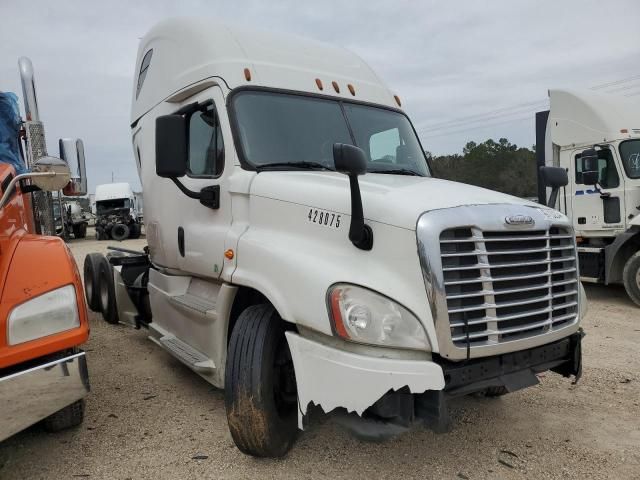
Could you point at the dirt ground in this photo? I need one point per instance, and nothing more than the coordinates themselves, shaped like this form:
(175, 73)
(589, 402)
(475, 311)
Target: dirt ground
(149, 417)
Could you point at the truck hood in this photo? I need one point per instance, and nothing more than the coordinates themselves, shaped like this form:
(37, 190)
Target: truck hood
(396, 200)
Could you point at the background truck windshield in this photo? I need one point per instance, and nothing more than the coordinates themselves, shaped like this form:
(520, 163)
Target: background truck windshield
(284, 128)
(630, 153)
(106, 206)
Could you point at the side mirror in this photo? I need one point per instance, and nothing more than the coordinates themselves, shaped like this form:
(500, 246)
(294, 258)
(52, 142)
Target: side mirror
(50, 174)
(554, 177)
(590, 177)
(171, 146)
(589, 159)
(72, 152)
(349, 159)
(352, 161)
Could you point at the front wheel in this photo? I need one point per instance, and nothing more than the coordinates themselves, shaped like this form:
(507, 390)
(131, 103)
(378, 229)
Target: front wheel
(260, 386)
(631, 277)
(70, 416)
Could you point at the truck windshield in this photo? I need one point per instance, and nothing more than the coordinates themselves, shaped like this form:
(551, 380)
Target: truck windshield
(287, 131)
(105, 206)
(630, 153)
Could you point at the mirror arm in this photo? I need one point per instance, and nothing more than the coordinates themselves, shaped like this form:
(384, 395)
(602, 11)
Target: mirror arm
(360, 233)
(208, 196)
(185, 190)
(10, 188)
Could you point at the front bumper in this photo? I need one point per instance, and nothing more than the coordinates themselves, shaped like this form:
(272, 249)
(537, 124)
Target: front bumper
(401, 392)
(32, 394)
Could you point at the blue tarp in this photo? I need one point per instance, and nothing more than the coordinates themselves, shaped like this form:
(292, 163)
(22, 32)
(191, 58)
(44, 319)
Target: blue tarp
(9, 129)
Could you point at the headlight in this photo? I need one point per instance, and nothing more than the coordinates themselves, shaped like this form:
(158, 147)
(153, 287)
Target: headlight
(364, 316)
(46, 314)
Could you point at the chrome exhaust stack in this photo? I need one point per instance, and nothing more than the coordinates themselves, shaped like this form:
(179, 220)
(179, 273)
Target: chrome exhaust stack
(72, 152)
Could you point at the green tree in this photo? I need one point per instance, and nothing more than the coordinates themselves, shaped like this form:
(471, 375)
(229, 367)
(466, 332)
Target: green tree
(500, 166)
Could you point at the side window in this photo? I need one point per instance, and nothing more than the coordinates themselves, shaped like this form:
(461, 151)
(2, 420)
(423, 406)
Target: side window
(206, 147)
(144, 66)
(608, 174)
(383, 146)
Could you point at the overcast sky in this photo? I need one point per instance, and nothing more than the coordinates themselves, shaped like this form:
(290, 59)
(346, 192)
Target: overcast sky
(465, 70)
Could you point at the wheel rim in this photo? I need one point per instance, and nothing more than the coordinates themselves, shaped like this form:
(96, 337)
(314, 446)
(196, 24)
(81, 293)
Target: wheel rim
(104, 294)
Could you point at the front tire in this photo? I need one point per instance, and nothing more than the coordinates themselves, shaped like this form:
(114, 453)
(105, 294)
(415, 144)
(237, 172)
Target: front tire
(631, 277)
(70, 416)
(260, 392)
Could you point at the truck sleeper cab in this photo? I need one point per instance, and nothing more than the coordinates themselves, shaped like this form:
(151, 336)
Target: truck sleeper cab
(301, 254)
(587, 133)
(43, 317)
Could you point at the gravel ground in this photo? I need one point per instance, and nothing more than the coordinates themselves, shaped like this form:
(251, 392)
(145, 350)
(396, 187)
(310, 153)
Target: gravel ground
(150, 417)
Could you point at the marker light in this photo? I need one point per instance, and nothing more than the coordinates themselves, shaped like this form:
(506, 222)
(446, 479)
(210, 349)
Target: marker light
(229, 254)
(364, 316)
(351, 89)
(624, 130)
(397, 99)
(247, 74)
(319, 84)
(336, 87)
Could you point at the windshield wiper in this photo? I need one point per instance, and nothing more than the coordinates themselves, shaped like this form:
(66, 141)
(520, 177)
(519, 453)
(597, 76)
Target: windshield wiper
(293, 165)
(397, 171)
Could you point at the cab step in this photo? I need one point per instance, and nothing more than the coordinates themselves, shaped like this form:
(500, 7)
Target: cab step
(187, 354)
(194, 303)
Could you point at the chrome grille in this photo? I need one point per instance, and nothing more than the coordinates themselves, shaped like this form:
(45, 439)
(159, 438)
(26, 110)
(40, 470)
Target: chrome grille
(502, 286)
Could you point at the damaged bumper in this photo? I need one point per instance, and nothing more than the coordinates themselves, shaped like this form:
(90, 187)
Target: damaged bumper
(393, 393)
(332, 378)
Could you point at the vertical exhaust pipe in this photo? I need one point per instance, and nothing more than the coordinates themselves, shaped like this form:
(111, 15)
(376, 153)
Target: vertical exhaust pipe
(28, 90)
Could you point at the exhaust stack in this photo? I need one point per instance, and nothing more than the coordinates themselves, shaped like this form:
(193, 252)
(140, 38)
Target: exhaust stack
(28, 90)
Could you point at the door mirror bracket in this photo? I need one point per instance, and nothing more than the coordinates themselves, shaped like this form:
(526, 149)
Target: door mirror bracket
(352, 161)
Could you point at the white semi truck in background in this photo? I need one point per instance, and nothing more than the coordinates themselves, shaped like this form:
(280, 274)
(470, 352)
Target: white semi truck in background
(595, 139)
(116, 212)
(299, 252)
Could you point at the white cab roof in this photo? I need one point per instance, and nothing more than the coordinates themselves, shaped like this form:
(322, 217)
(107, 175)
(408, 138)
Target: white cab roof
(109, 191)
(586, 117)
(190, 51)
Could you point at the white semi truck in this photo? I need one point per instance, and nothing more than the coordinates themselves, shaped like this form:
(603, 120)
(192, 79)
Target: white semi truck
(595, 139)
(300, 254)
(116, 212)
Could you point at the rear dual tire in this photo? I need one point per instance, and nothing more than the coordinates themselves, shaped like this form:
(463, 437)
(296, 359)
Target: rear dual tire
(92, 281)
(107, 292)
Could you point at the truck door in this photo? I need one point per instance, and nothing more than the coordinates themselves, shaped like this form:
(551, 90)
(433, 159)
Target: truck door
(201, 230)
(630, 156)
(595, 211)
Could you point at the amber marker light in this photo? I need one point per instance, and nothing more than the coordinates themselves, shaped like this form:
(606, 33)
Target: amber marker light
(336, 87)
(336, 314)
(319, 84)
(247, 74)
(624, 130)
(351, 89)
(397, 99)
(229, 254)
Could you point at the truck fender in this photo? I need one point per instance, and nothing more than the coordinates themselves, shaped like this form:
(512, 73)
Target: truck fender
(617, 253)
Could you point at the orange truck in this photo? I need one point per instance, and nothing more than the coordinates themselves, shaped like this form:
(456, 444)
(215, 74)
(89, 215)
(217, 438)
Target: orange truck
(43, 316)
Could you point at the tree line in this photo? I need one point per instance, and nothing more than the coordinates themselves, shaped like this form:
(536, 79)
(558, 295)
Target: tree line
(500, 166)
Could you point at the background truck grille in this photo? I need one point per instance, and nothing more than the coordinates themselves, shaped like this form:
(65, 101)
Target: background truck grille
(503, 286)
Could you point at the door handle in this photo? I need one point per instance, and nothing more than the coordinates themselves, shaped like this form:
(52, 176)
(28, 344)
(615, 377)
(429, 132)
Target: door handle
(181, 241)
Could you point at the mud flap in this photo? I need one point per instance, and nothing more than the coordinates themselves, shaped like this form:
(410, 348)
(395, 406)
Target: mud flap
(574, 365)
